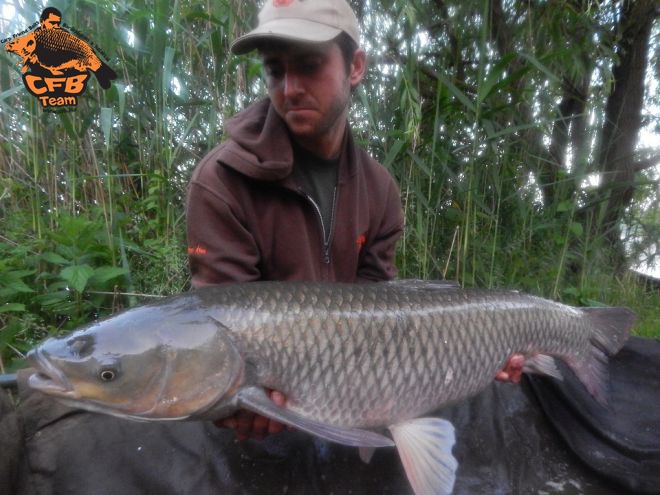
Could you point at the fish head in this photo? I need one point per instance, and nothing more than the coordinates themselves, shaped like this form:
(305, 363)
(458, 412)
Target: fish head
(23, 46)
(160, 362)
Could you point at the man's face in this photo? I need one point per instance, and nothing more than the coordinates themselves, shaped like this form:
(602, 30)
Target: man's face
(52, 21)
(310, 88)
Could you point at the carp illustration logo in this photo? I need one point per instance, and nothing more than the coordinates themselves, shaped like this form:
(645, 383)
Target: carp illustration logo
(58, 62)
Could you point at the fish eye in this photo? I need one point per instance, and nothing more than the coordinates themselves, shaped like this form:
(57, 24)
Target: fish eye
(107, 375)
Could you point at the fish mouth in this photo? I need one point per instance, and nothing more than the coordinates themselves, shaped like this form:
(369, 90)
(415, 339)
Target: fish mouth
(48, 379)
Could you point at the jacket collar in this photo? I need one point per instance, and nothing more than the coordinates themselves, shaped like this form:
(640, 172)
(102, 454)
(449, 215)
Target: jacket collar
(260, 145)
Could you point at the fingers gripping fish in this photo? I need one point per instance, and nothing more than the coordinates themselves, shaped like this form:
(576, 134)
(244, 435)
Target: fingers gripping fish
(354, 360)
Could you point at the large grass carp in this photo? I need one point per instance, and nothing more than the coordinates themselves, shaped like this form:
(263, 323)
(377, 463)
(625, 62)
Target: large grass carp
(352, 359)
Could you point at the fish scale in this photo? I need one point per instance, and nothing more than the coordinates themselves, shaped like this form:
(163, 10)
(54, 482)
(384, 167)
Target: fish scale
(444, 340)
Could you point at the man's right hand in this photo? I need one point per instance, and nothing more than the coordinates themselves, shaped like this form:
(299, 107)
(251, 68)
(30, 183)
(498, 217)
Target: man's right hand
(247, 424)
(513, 369)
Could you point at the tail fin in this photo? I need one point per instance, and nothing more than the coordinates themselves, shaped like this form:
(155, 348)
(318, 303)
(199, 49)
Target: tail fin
(104, 75)
(611, 327)
(610, 330)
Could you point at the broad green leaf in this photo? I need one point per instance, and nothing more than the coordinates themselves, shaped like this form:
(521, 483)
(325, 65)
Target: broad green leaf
(16, 307)
(9, 332)
(105, 273)
(54, 299)
(77, 276)
(576, 228)
(54, 258)
(15, 286)
(565, 205)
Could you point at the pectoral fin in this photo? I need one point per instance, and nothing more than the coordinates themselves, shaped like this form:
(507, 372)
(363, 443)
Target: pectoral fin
(256, 400)
(425, 445)
(366, 453)
(542, 364)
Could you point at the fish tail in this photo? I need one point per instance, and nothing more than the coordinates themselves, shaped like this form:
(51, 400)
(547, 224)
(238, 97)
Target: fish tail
(611, 327)
(610, 330)
(104, 75)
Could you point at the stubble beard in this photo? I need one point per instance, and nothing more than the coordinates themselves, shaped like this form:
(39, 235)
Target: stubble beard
(323, 128)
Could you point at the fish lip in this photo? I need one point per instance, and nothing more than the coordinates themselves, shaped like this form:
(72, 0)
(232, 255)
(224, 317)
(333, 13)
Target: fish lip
(48, 378)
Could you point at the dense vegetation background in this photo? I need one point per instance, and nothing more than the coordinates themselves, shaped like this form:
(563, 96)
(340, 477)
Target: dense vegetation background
(512, 127)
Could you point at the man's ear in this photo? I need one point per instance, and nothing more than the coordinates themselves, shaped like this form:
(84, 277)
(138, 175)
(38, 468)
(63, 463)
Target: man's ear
(358, 67)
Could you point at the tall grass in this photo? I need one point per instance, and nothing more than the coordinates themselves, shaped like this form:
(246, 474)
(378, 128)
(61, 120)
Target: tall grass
(468, 159)
(91, 203)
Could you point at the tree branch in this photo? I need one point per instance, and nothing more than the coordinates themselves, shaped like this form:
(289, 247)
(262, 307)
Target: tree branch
(645, 164)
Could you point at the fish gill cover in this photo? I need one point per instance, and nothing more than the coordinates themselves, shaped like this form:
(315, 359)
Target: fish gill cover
(56, 63)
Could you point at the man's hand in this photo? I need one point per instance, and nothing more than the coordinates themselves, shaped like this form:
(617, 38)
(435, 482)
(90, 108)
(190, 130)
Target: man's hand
(247, 424)
(513, 369)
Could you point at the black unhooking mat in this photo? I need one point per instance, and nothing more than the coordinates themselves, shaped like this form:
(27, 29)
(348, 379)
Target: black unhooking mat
(542, 437)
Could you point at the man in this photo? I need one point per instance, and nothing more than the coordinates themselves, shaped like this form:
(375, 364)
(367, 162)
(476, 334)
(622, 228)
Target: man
(290, 196)
(50, 18)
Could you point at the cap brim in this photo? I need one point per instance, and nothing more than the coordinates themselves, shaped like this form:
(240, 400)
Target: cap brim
(294, 30)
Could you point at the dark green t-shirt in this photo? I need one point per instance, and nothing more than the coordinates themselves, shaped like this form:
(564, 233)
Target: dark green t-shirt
(318, 178)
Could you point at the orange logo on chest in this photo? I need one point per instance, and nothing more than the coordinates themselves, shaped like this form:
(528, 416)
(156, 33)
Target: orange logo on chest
(361, 241)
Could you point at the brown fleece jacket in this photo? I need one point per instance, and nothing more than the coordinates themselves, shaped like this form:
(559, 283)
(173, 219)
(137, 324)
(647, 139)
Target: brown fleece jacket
(248, 219)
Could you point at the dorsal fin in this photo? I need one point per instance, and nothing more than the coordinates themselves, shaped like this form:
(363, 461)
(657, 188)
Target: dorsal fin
(416, 283)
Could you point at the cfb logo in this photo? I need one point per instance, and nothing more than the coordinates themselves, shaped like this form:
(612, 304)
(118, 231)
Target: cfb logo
(56, 64)
(56, 91)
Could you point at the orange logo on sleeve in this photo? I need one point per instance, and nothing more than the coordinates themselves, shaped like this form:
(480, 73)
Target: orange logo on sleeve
(197, 249)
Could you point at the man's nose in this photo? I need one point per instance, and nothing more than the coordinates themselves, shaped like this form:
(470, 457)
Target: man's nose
(292, 85)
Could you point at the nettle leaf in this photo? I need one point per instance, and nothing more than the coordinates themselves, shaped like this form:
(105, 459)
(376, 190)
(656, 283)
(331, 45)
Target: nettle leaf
(16, 307)
(53, 299)
(106, 273)
(54, 258)
(77, 276)
(14, 286)
(566, 205)
(576, 229)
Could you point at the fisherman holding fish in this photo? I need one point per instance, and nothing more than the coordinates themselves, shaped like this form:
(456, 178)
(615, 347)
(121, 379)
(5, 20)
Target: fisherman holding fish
(289, 195)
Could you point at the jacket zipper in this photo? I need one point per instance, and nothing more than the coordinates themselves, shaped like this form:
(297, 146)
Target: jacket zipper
(327, 239)
(332, 226)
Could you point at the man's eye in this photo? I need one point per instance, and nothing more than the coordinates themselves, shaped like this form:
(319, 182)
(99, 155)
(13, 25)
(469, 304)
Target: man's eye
(274, 72)
(309, 67)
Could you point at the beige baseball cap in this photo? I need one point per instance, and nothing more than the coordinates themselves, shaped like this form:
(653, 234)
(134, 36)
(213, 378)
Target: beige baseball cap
(306, 21)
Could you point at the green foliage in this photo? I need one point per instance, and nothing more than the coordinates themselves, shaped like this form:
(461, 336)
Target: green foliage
(54, 282)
